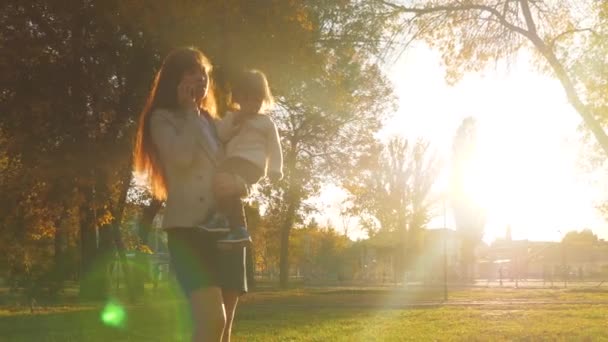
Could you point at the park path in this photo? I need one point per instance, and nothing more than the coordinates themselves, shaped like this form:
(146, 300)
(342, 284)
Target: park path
(404, 300)
(491, 304)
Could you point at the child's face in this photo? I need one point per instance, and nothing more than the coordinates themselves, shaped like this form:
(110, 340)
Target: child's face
(249, 104)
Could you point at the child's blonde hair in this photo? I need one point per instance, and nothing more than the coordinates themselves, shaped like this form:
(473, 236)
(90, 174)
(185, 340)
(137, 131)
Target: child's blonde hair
(252, 83)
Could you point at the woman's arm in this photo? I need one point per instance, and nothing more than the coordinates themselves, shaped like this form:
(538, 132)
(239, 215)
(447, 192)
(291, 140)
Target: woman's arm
(176, 145)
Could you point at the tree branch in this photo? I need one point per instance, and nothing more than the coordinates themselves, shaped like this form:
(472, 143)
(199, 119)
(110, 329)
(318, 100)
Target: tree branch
(525, 7)
(552, 42)
(546, 50)
(463, 8)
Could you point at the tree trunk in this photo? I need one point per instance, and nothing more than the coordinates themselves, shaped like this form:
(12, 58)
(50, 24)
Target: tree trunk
(59, 239)
(562, 75)
(116, 233)
(93, 282)
(92, 275)
(290, 216)
(292, 200)
(583, 110)
(59, 242)
(148, 214)
(252, 215)
(139, 273)
(404, 255)
(250, 267)
(531, 33)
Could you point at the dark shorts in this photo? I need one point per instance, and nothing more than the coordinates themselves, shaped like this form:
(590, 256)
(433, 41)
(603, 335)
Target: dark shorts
(198, 263)
(247, 170)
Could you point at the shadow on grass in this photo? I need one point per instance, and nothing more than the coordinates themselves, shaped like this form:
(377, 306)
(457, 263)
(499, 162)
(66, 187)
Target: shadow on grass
(589, 290)
(166, 321)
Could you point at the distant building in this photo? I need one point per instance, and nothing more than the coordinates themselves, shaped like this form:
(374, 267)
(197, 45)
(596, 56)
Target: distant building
(525, 259)
(382, 256)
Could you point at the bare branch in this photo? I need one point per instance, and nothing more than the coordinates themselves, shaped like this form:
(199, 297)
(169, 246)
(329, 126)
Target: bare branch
(530, 32)
(462, 8)
(525, 7)
(552, 42)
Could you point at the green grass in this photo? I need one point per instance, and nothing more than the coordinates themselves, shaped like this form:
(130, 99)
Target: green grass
(549, 323)
(339, 314)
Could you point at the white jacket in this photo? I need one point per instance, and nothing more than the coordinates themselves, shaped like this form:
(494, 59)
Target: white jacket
(189, 163)
(255, 139)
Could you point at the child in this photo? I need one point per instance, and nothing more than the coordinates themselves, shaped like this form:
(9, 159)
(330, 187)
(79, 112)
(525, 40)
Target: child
(253, 149)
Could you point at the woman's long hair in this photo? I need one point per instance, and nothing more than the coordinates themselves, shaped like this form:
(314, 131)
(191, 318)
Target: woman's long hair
(164, 95)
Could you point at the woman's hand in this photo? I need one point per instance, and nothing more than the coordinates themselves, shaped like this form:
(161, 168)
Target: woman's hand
(239, 118)
(186, 95)
(227, 184)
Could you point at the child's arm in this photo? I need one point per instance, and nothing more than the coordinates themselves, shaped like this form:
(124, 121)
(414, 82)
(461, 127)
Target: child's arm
(226, 127)
(274, 154)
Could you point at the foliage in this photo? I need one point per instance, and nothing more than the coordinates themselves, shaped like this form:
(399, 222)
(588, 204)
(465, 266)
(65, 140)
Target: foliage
(390, 191)
(473, 34)
(328, 117)
(76, 74)
(390, 186)
(584, 237)
(317, 253)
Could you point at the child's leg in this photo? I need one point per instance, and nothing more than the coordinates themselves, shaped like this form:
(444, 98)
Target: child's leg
(232, 208)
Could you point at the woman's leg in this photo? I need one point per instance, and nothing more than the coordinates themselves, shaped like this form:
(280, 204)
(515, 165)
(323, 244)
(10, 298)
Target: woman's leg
(231, 299)
(208, 315)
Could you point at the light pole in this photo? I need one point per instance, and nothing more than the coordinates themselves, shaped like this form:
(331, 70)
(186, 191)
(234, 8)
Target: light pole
(564, 263)
(445, 251)
(566, 271)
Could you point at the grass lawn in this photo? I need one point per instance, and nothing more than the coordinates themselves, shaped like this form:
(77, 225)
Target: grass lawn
(340, 314)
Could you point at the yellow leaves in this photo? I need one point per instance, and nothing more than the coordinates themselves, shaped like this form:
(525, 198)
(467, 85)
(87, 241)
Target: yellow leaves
(301, 17)
(142, 248)
(104, 218)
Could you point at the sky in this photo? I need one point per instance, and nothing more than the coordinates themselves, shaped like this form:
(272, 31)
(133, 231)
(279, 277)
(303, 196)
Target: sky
(529, 175)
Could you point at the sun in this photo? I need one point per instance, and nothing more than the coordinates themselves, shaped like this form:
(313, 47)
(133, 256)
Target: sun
(528, 173)
(518, 180)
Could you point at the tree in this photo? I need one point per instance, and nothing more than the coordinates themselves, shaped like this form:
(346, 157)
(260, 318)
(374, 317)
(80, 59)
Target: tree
(584, 237)
(321, 253)
(471, 34)
(41, 53)
(591, 67)
(603, 208)
(390, 191)
(66, 142)
(579, 247)
(328, 117)
(469, 215)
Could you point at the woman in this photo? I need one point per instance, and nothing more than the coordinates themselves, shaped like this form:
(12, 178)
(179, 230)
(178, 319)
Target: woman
(177, 148)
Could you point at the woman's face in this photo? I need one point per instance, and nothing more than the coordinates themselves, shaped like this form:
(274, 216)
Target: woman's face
(199, 80)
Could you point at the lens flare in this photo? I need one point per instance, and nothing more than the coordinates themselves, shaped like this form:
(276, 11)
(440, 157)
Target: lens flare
(113, 315)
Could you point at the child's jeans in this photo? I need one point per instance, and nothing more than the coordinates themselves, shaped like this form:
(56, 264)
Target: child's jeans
(232, 206)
